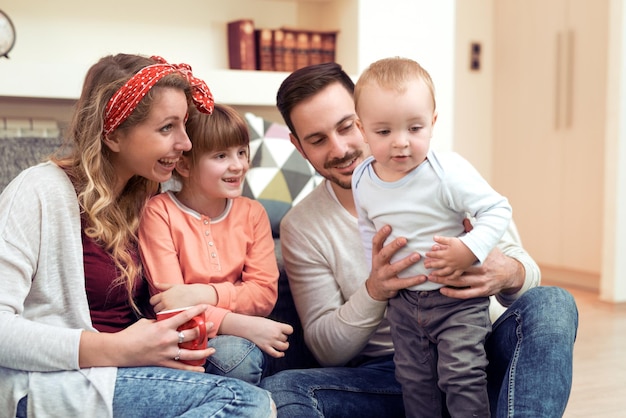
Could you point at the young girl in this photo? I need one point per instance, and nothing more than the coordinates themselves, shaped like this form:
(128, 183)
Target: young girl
(219, 245)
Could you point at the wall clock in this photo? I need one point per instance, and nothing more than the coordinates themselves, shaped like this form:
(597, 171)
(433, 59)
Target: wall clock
(7, 35)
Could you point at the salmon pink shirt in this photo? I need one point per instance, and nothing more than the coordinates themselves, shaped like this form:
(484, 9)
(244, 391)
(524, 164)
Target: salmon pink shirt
(233, 252)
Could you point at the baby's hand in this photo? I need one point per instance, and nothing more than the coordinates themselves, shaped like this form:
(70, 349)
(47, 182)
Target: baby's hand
(448, 257)
(270, 336)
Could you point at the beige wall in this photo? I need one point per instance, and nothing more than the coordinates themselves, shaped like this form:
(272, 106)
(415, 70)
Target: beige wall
(473, 89)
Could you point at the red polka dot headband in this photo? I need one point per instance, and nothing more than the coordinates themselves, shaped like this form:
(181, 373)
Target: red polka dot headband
(126, 99)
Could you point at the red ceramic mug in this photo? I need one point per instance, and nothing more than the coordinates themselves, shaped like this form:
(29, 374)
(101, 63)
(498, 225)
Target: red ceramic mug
(196, 344)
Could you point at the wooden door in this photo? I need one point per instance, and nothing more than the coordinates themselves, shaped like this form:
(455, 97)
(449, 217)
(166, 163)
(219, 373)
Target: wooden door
(547, 57)
(527, 157)
(583, 149)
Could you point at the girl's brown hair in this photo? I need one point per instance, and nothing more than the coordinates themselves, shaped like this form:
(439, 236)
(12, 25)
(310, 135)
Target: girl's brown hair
(223, 129)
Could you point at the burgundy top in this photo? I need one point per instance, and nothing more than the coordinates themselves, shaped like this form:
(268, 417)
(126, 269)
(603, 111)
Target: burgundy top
(109, 307)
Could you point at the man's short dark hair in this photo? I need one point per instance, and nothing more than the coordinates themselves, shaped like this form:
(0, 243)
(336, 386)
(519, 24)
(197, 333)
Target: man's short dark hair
(307, 82)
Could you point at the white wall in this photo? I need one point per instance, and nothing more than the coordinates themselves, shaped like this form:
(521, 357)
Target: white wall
(423, 30)
(613, 279)
(473, 104)
(57, 41)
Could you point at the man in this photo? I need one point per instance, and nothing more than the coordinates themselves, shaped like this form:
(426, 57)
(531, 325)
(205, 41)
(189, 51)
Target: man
(342, 301)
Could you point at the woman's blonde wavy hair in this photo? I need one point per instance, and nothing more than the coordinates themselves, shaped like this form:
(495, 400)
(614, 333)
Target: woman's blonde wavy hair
(111, 220)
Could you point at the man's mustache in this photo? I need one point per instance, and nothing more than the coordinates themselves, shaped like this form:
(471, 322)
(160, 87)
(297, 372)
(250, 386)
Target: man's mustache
(339, 161)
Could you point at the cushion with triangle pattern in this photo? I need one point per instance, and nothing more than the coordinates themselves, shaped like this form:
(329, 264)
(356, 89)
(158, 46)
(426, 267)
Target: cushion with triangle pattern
(279, 177)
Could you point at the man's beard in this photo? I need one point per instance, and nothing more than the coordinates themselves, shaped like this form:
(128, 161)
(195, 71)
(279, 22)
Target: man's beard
(343, 184)
(347, 185)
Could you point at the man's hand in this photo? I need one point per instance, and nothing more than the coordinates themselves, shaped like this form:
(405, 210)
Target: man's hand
(383, 282)
(498, 273)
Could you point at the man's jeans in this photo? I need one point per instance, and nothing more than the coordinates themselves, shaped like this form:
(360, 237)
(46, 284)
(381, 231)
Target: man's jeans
(530, 355)
(368, 390)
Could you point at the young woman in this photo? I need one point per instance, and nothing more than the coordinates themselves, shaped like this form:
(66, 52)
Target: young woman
(71, 287)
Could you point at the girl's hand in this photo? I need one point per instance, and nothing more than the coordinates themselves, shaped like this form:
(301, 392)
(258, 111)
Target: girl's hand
(173, 296)
(270, 336)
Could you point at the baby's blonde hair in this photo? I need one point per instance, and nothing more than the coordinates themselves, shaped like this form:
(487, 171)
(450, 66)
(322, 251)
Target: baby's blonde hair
(393, 73)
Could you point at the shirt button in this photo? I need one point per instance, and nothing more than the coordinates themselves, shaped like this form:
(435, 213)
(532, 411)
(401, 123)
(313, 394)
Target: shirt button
(206, 221)
(211, 243)
(207, 233)
(213, 255)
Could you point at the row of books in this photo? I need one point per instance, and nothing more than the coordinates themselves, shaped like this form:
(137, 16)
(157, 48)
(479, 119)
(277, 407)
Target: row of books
(283, 49)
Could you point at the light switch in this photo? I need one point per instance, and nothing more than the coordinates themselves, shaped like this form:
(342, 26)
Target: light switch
(475, 49)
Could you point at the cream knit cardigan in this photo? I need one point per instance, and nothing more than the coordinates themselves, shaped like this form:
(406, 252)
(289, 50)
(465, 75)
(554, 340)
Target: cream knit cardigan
(43, 304)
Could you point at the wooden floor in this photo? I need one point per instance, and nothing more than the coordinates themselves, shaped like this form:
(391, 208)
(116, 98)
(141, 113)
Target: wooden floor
(599, 384)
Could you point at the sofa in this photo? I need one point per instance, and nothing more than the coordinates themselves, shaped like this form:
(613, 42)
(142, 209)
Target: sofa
(20, 152)
(278, 178)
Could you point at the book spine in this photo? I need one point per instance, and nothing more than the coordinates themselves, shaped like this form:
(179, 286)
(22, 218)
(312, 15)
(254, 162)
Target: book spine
(303, 49)
(264, 52)
(289, 56)
(315, 50)
(278, 48)
(241, 45)
(328, 47)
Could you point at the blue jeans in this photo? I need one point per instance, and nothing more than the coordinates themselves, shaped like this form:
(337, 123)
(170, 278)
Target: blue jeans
(236, 357)
(163, 392)
(367, 390)
(530, 353)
